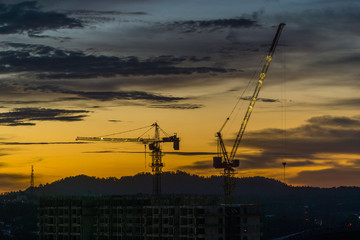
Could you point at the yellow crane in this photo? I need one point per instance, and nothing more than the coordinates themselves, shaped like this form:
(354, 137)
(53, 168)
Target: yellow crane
(154, 145)
(228, 162)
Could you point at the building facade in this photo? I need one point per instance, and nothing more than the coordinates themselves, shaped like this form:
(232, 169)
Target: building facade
(145, 218)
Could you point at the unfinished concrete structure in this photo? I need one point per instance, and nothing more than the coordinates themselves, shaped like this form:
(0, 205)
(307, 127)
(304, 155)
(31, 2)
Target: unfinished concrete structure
(144, 217)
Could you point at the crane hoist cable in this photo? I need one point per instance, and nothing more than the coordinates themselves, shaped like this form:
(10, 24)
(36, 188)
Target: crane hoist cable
(146, 131)
(241, 97)
(132, 130)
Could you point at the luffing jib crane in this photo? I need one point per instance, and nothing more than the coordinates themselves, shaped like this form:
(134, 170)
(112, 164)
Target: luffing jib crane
(228, 162)
(154, 145)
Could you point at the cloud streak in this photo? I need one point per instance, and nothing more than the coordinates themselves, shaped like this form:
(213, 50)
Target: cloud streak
(198, 165)
(40, 143)
(107, 96)
(12, 180)
(269, 100)
(90, 17)
(46, 62)
(184, 106)
(211, 25)
(26, 17)
(27, 116)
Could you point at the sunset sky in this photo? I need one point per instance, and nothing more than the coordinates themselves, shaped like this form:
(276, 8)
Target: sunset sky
(92, 68)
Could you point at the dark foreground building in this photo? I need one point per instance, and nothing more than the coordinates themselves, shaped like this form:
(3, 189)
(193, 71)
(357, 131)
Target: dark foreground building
(144, 217)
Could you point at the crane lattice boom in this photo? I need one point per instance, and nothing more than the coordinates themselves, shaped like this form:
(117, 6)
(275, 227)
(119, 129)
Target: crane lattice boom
(256, 92)
(228, 162)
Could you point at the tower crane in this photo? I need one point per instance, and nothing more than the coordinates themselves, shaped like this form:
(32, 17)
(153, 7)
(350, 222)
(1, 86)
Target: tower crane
(154, 145)
(226, 161)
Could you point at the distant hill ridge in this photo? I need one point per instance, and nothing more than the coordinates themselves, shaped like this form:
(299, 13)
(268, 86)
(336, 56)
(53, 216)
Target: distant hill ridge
(259, 188)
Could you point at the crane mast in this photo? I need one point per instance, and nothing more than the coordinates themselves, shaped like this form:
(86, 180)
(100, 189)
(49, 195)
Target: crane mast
(154, 145)
(156, 163)
(224, 160)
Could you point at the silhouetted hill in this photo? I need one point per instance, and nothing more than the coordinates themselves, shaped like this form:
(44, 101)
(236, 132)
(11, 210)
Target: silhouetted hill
(258, 189)
(172, 183)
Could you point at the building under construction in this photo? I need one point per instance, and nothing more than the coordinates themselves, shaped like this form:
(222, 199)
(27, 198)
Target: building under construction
(146, 217)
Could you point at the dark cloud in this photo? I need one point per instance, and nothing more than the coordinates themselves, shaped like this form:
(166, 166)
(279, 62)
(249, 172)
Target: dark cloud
(27, 17)
(95, 16)
(305, 163)
(198, 165)
(271, 100)
(61, 39)
(107, 151)
(329, 102)
(114, 120)
(212, 25)
(108, 96)
(341, 176)
(133, 95)
(40, 143)
(46, 62)
(106, 6)
(14, 180)
(184, 106)
(333, 102)
(94, 12)
(355, 162)
(14, 177)
(345, 102)
(158, 83)
(26, 116)
(335, 121)
(322, 135)
(38, 101)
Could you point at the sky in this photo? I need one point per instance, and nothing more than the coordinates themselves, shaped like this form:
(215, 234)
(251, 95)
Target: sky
(95, 68)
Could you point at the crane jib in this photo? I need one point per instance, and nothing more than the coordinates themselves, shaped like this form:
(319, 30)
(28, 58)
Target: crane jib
(256, 93)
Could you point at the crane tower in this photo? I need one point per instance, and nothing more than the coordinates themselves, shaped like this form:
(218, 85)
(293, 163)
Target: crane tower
(154, 145)
(228, 162)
